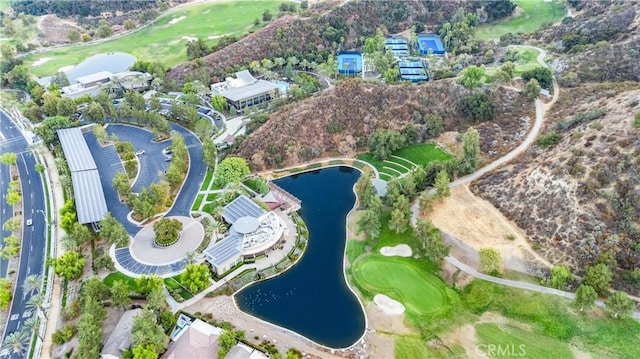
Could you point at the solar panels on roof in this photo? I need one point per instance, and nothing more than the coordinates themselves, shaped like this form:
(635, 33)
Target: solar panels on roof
(224, 250)
(91, 205)
(241, 207)
(76, 150)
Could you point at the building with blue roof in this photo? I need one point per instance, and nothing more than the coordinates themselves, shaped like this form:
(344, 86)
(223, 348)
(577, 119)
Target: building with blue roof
(430, 43)
(350, 63)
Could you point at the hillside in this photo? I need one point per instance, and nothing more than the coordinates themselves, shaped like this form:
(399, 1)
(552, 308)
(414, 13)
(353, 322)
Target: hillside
(339, 120)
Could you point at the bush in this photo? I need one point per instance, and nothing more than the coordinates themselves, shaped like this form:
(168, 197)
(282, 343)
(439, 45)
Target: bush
(579, 118)
(64, 334)
(636, 121)
(478, 107)
(548, 140)
(542, 74)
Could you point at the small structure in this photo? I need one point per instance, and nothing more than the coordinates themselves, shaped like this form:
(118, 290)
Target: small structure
(430, 43)
(253, 231)
(243, 351)
(245, 90)
(350, 63)
(398, 45)
(414, 71)
(92, 84)
(193, 338)
(120, 338)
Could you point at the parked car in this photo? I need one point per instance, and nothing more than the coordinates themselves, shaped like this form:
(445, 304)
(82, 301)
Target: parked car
(29, 222)
(141, 152)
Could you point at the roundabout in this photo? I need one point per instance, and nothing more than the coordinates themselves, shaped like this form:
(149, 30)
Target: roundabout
(145, 250)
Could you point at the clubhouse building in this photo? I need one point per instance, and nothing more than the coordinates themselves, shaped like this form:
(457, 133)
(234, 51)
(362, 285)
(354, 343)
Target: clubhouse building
(245, 91)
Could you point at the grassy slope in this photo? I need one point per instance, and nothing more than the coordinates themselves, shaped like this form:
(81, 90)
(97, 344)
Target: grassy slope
(515, 340)
(420, 154)
(131, 282)
(163, 41)
(534, 13)
(527, 61)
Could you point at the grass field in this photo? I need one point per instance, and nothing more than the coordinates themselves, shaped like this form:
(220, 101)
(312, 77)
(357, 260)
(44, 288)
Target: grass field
(131, 282)
(533, 14)
(207, 179)
(174, 284)
(163, 41)
(420, 154)
(514, 340)
(527, 60)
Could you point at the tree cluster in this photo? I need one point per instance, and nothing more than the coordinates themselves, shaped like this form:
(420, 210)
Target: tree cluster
(167, 231)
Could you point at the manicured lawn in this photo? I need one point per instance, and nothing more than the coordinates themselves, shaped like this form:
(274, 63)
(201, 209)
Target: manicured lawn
(409, 347)
(527, 61)
(163, 41)
(207, 179)
(211, 197)
(197, 202)
(534, 13)
(131, 282)
(519, 341)
(174, 284)
(424, 153)
(402, 279)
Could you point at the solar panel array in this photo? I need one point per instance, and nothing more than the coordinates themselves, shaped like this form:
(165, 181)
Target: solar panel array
(221, 252)
(240, 207)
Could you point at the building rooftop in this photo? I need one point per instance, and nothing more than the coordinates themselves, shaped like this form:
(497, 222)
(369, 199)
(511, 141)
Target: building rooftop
(248, 91)
(197, 339)
(227, 248)
(91, 205)
(76, 150)
(242, 206)
(98, 76)
(120, 338)
(246, 225)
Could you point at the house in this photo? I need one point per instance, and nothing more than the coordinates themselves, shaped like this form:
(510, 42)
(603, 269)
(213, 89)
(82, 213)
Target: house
(120, 338)
(193, 338)
(245, 90)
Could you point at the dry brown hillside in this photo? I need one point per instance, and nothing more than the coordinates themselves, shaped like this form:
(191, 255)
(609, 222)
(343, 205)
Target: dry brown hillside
(581, 198)
(307, 129)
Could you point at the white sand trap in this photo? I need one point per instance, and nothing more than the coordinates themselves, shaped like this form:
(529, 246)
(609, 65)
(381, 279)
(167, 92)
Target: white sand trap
(387, 305)
(216, 36)
(189, 38)
(40, 62)
(178, 19)
(401, 250)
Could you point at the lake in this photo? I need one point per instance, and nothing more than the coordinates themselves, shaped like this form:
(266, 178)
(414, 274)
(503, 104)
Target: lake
(312, 298)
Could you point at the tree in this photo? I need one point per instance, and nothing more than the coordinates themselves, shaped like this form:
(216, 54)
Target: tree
(129, 24)
(442, 184)
(383, 143)
(230, 170)
(33, 325)
(145, 331)
(94, 113)
(218, 103)
(32, 283)
(121, 183)
(94, 288)
(113, 231)
(490, 262)
(89, 336)
(497, 9)
(598, 277)
(167, 231)
(365, 190)
(531, 90)
(543, 75)
(120, 294)
(432, 240)
(36, 302)
(148, 283)
(156, 298)
(472, 77)
(8, 158)
(13, 198)
(196, 48)
(619, 304)
(477, 107)
(226, 341)
(73, 35)
(267, 16)
(560, 276)
(11, 224)
(196, 277)
(69, 266)
(17, 342)
(47, 128)
(369, 223)
(144, 352)
(39, 167)
(210, 152)
(81, 233)
(425, 202)
(5, 293)
(66, 107)
(203, 129)
(470, 151)
(104, 30)
(11, 247)
(401, 215)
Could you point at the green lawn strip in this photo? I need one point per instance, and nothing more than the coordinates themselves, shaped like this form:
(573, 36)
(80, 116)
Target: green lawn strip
(513, 341)
(212, 197)
(355, 249)
(423, 153)
(402, 279)
(385, 177)
(163, 41)
(207, 179)
(411, 347)
(131, 282)
(532, 16)
(174, 283)
(395, 166)
(402, 162)
(198, 201)
(253, 184)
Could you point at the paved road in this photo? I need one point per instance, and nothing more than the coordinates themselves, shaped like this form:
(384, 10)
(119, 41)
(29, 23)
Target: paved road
(32, 254)
(195, 175)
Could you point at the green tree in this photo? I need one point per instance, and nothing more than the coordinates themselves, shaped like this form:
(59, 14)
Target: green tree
(491, 262)
(560, 276)
(144, 352)
(365, 190)
(532, 90)
(121, 184)
(619, 304)
(120, 294)
(148, 283)
(426, 201)
(11, 247)
(226, 341)
(17, 342)
(89, 337)
(598, 277)
(210, 152)
(37, 302)
(401, 215)
(231, 170)
(94, 113)
(167, 230)
(543, 75)
(113, 231)
(95, 288)
(383, 143)
(369, 223)
(33, 325)
(5, 293)
(81, 233)
(472, 77)
(167, 320)
(218, 102)
(73, 35)
(203, 129)
(39, 167)
(442, 184)
(66, 107)
(11, 224)
(477, 107)
(13, 198)
(145, 331)
(470, 151)
(69, 266)
(156, 298)
(432, 241)
(47, 128)
(8, 158)
(394, 190)
(267, 16)
(196, 277)
(129, 24)
(104, 30)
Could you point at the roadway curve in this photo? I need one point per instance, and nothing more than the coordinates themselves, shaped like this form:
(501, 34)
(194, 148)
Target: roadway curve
(33, 244)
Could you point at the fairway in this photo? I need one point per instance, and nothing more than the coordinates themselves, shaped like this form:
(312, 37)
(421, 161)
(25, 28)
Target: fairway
(533, 14)
(165, 40)
(513, 341)
(419, 291)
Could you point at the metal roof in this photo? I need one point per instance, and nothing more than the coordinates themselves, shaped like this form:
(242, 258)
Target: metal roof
(91, 205)
(246, 225)
(246, 76)
(98, 76)
(246, 92)
(228, 248)
(76, 150)
(240, 207)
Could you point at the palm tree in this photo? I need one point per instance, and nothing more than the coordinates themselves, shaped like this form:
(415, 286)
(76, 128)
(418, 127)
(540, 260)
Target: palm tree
(17, 342)
(32, 283)
(191, 256)
(36, 302)
(216, 228)
(33, 324)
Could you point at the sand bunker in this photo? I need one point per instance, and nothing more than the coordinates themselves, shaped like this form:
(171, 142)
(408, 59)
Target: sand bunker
(387, 305)
(40, 62)
(189, 38)
(401, 250)
(212, 37)
(173, 21)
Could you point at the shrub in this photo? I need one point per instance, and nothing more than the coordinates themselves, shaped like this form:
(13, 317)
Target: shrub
(636, 120)
(548, 140)
(478, 107)
(64, 334)
(542, 74)
(579, 118)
